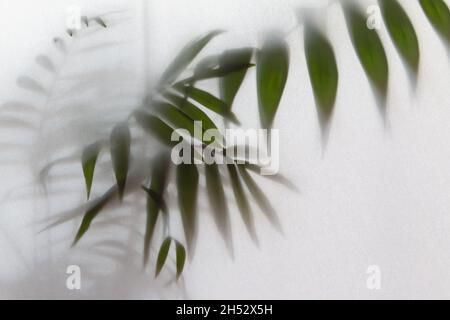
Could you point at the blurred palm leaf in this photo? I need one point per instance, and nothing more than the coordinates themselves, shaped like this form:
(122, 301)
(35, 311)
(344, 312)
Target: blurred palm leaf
(323, 72)
(230, 84)
(88, 161)
(272, 71)
(402, 33)
(187, 187)
(370, 52)
(120, 154)
(438, 14)
(158, 185)
(185, 57)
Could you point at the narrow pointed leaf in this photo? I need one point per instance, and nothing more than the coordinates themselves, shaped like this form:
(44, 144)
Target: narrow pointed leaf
(175, 116)
(155, 127)
(438, 14)
(271, 76)
(191, 111)
(120, 154)
(158, 185)
(241, 200)
(158, 199)
(93, 210)
(370, 52)
(259, 196)
(218, 72)
(88, 161)
(162, 255)
(217, 201)
(185, 57)
(181, 258)
(187, 187)
(323, 72)
(209, 101)
(402, 33)
(230, 84)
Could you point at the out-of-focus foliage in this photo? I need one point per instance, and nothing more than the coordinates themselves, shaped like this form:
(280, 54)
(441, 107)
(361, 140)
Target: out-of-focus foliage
(140, 146)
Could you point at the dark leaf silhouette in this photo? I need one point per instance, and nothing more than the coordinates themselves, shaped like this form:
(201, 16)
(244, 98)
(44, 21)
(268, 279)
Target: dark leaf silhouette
(271, 73)
(259, 196)
(185, 57)
(402, 33)
(438, 14)
(209, 101)
(241, 200)
(162, 255)
(175, 116)
(120, 154)
(88, 161)
(155, 127)
(323, 72)
(218, 202)
(187, 187)
(230, 84)
(157, 185)
(181, 258)
(92, 211)
(191, 111)
(370, 52)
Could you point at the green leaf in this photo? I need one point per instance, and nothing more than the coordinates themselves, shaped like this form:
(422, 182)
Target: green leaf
(187, 187)
(402, 33)
(158, 199)
(155, 127)
(155, 202)
(120, 154)
(175, 116)
(209, 101)
(162, 255)
(259, 196)
(438, 14)
(93, 210)
(271, 75)
(230, 84)
(241, 200)
(181, 258)
(217, 201)
(191, 111)
(185, 57)
(204, 73)
(370, 52)
(323, 72)
(88, 161)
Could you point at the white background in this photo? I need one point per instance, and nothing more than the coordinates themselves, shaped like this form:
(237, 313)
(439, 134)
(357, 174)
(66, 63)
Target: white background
(373, 197)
